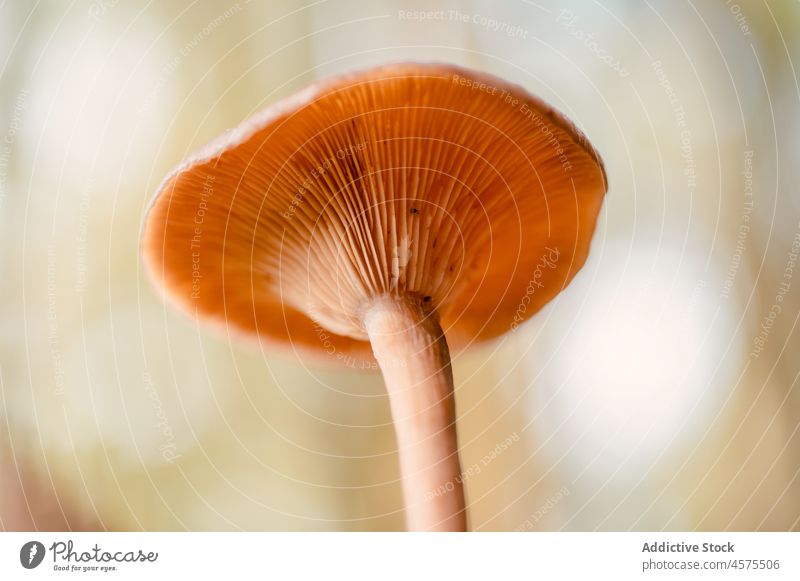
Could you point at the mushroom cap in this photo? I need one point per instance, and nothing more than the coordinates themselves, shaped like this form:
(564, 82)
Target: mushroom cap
(431, 181)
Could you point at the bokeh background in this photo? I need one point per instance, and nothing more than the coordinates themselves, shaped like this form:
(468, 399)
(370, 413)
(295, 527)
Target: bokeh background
(658, 392)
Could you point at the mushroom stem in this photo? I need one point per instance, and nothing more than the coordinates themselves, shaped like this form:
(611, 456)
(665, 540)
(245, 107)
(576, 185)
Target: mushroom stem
(412, 352)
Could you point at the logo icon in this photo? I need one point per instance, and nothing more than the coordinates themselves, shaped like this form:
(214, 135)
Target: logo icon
(31, 554)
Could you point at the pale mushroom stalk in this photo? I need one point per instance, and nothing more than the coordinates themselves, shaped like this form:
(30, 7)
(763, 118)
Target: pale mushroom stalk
(412, 352)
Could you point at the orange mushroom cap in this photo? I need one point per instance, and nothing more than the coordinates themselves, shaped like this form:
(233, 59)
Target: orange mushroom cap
(428, 180)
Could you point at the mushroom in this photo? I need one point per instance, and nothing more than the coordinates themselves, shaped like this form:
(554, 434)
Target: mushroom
(370, 215)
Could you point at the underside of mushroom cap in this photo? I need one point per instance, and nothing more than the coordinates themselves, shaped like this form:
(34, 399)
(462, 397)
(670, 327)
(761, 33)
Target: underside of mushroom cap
(428, 181)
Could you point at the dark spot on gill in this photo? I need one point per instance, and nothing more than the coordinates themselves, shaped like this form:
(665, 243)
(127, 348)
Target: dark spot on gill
(350, 154)
(353, 170)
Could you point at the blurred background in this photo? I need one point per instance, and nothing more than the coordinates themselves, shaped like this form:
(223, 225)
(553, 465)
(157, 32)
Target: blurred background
(658, 392)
